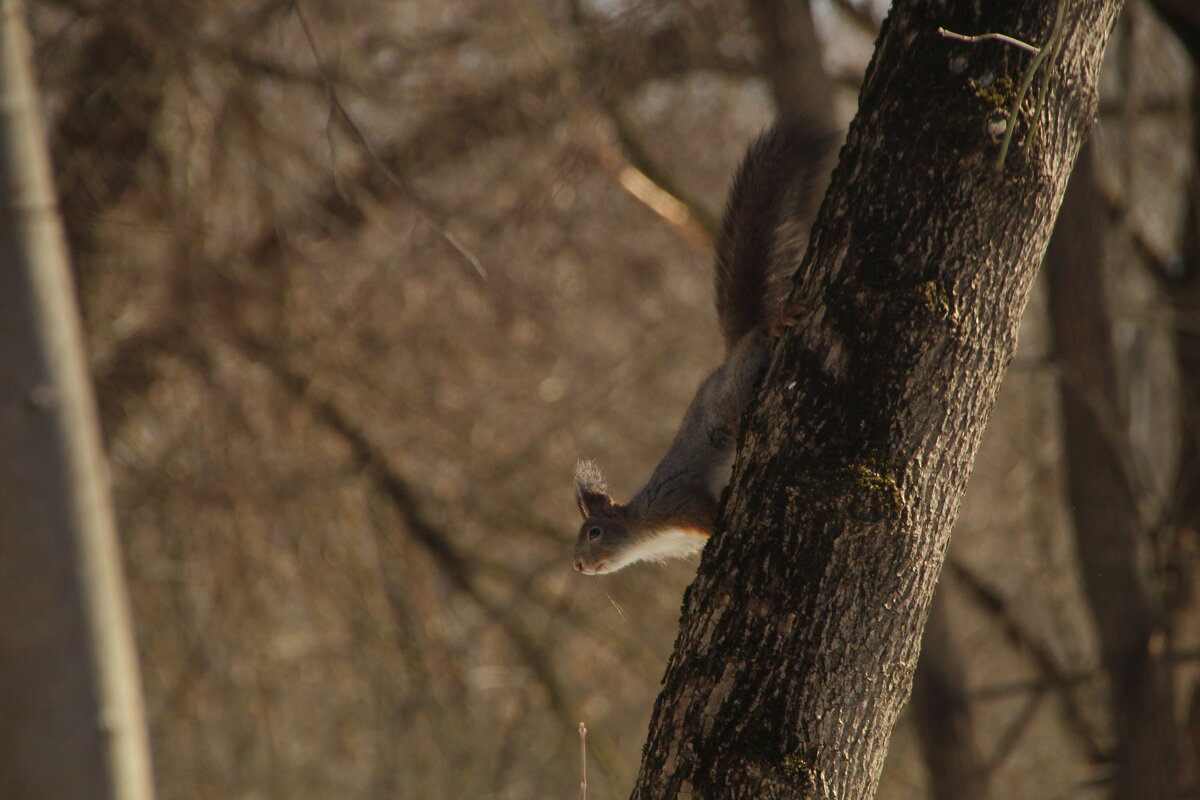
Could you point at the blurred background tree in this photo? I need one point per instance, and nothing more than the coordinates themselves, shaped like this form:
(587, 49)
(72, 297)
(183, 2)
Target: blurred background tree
(361, 282)
(72, 721)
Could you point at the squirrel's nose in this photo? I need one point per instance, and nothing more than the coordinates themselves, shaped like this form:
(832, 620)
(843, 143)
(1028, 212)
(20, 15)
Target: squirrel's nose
(579, 565)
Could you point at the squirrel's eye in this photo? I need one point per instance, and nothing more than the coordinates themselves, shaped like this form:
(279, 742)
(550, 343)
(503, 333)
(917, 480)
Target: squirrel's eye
(594, 534)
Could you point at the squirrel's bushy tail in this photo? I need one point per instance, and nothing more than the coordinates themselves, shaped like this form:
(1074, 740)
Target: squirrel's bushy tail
(767, 219)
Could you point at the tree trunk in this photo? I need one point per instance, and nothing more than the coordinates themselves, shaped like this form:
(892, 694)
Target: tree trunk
(1108, 527)
(71, 723)
(1183, 291)
(800, 634)
(791, 60)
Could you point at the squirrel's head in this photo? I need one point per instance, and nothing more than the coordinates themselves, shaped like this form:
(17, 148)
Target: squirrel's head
(605, 534)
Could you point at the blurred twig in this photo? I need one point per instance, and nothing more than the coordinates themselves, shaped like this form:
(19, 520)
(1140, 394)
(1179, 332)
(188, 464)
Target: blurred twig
(370, 458)
(629, 162)
(406, 188)
(596, 627)
(701, 223)
(942, 711)
(453, 564)
(1070, 678)
(997, 607)
(1007, 742)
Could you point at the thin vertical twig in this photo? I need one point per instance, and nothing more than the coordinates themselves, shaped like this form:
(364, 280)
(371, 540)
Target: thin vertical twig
(338, 110)
(1048, 49)
(582, 761)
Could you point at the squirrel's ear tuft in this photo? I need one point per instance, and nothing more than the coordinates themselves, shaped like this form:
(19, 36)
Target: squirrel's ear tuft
(591, 490)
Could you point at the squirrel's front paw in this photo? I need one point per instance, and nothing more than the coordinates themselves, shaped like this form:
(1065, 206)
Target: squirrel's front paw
(789, 317)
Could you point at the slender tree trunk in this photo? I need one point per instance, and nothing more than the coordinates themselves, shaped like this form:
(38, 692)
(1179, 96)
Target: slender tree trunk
(1185, 298)
(800, 634)
(1108, 527)
(791, 60)
(71, 723)
(1183, 290)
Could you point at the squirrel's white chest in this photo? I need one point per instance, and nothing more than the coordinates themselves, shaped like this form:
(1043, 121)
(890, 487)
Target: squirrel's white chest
(664, 544)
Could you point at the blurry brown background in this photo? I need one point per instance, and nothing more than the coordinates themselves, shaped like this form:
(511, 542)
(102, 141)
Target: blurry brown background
(363, 280)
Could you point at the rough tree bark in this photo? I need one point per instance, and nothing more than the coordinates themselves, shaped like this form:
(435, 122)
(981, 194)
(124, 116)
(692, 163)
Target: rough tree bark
(71, 723)
(791, 62)
(800, 634)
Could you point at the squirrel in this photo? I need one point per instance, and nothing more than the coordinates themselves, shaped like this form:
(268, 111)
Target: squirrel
(764, 230)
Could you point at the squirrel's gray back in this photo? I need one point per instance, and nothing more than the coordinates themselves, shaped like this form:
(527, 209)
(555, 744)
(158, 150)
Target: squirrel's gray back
(765, 228)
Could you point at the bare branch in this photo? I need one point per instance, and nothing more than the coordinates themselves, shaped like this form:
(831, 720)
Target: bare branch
(997, 607)
(985, 36)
